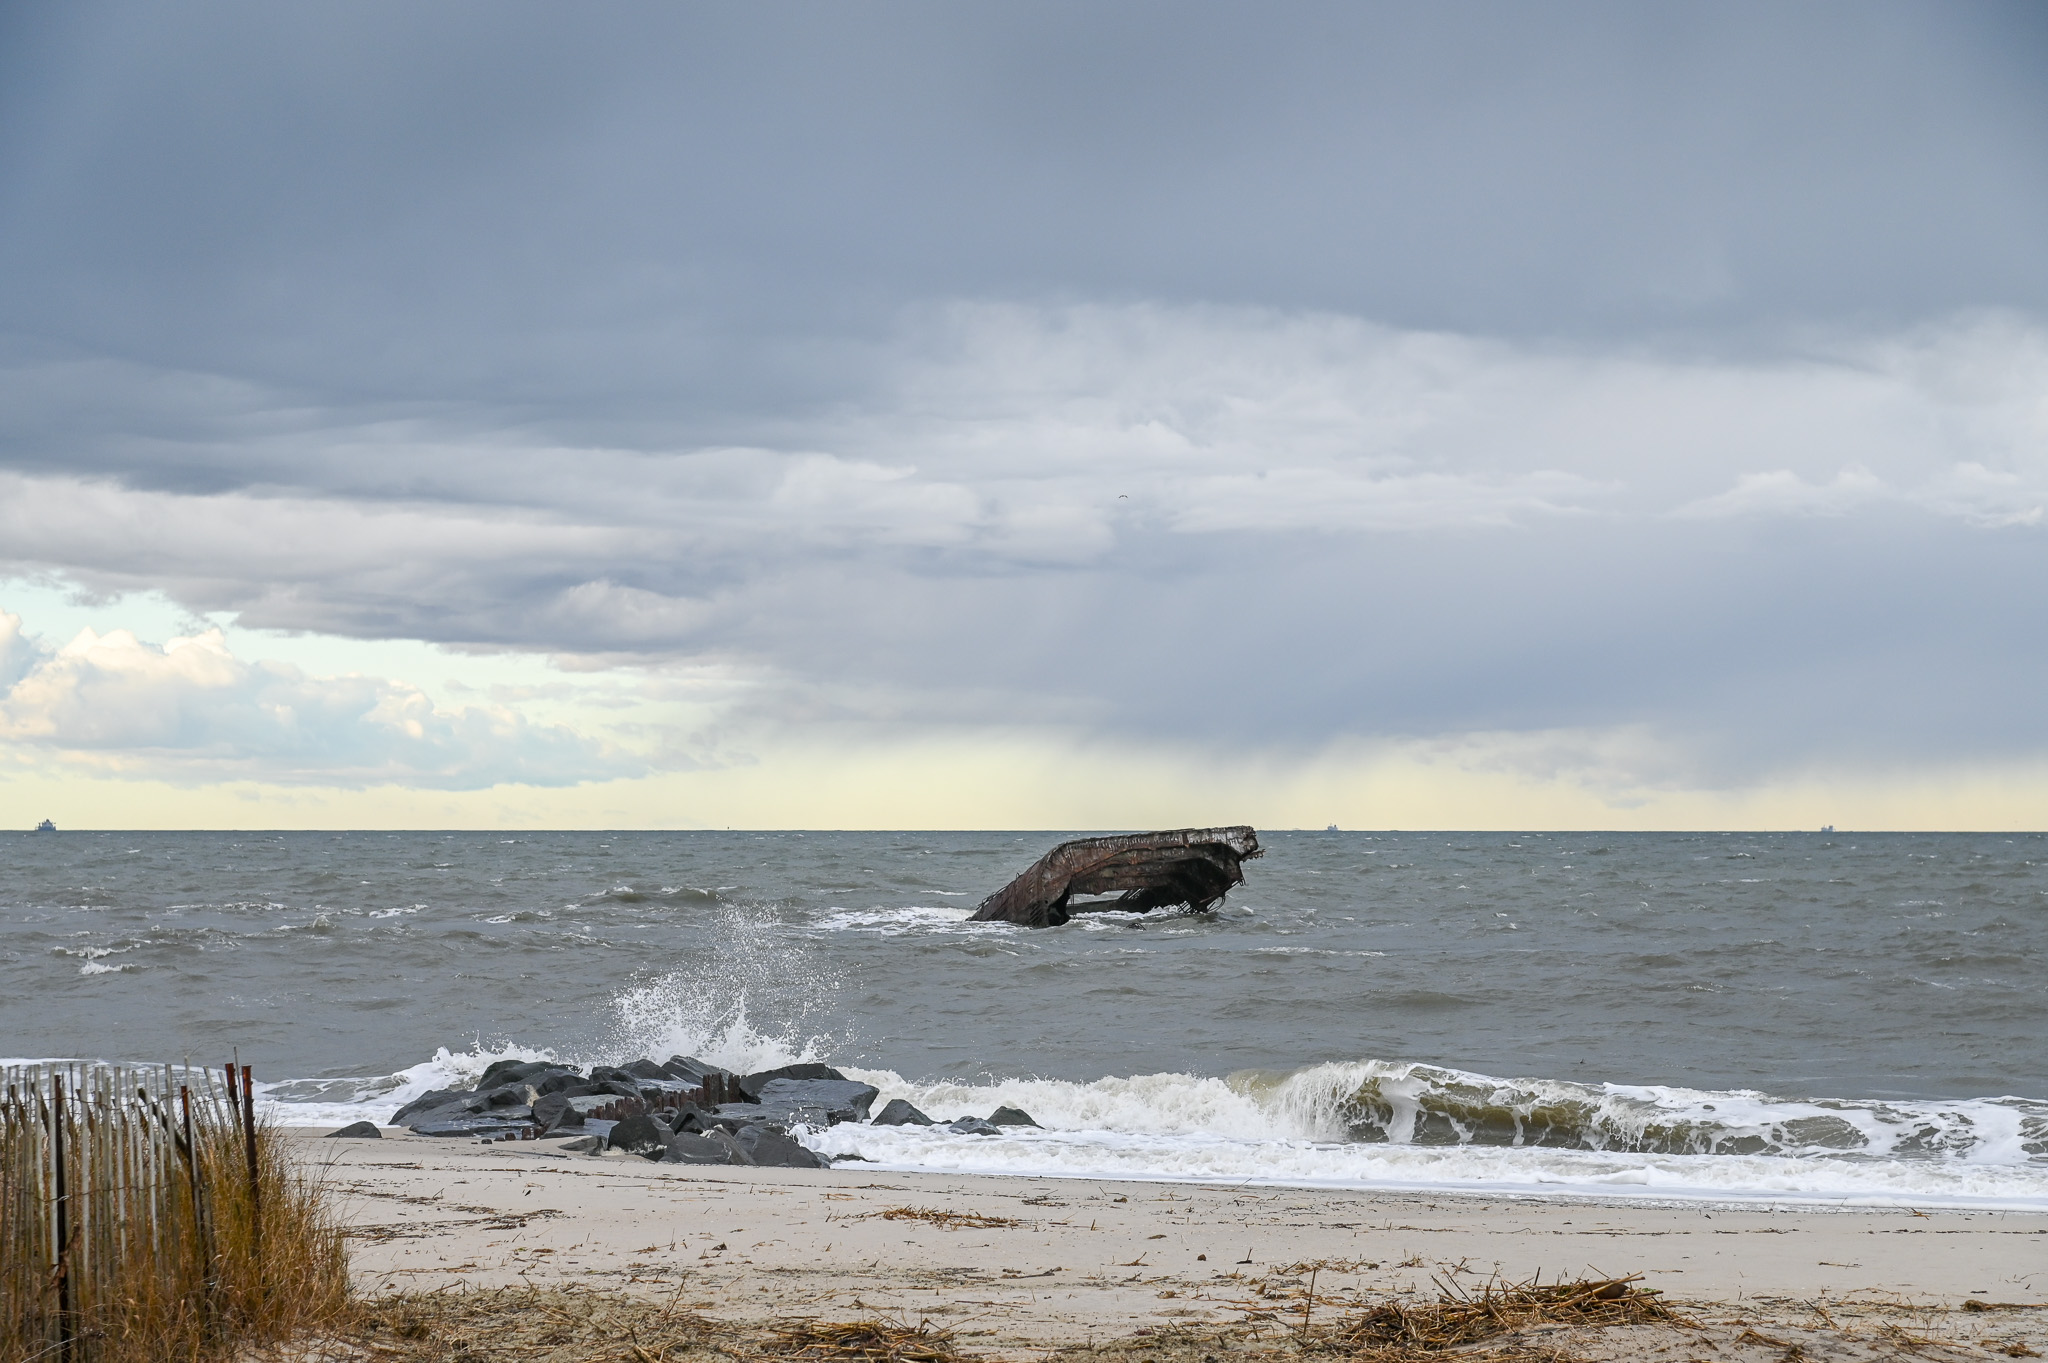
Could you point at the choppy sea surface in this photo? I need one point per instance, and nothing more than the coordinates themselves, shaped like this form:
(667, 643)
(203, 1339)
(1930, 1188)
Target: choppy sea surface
(1847, 1018)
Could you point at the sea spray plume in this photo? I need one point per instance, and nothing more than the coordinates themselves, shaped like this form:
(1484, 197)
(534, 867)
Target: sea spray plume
(755, 997)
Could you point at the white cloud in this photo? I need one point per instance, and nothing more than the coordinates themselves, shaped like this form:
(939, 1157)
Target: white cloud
(190, 709)
(1965, 491)
(1782, 492)
(18, 652)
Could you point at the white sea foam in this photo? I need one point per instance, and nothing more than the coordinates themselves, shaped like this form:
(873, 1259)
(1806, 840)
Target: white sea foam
(895, 922)
(94, 958)
(1477, 1169)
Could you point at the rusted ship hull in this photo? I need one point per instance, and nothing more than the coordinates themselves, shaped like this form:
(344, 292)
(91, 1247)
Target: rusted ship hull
(1194, 867)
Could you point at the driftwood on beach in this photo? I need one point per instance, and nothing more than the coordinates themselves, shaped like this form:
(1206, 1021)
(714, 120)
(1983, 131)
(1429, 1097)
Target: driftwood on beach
(1145, 871)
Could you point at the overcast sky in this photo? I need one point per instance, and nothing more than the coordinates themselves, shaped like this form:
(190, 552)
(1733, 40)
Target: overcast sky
(1033, 415)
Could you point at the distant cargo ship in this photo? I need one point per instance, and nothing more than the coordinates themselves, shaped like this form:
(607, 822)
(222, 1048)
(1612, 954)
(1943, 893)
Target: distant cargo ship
(46, 827)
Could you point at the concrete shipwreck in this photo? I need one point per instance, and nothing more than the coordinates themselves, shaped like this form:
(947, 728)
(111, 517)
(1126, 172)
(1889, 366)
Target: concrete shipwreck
(1194, 867)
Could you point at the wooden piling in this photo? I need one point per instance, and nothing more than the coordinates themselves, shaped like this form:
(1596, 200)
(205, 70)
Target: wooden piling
(249, 1145)
(63, 1218)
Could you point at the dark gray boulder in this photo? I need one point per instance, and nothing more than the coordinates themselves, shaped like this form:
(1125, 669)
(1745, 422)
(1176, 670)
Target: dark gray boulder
(692, 1120)
(733, 1116)
(644, 1068)
(843, 1100)
(458, 1123)
(507, 1071)
(712, 1147)
(560, 1081)
(516, 1094)
(899, 1112)
(775, 1149)
(584, 1145)
(640, 1135)
(357, 1131)
(751, 1084)
(553, 1112)
(690, 1070)
(498, 1070)
(973, 1126)
(429, 1102)
(1011, 1116)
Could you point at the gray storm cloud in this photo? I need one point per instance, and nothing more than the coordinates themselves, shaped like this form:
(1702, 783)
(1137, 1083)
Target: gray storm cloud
(1267, 375)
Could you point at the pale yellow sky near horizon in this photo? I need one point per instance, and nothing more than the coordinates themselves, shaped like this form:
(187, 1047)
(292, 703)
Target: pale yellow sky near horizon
(936, 777)
(1027, 783)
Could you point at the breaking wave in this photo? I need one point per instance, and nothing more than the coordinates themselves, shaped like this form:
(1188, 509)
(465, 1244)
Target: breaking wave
(1359, 1124)
(1375, 1102)
(1387, 1124)
(1491, 1170)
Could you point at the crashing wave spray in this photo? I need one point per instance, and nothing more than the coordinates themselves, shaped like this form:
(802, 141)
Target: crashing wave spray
(756, 999)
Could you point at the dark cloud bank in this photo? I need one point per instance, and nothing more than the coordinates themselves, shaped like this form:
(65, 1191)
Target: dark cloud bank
(1212, 372)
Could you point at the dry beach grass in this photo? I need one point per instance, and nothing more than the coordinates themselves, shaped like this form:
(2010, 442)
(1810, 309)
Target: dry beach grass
(148, 1216)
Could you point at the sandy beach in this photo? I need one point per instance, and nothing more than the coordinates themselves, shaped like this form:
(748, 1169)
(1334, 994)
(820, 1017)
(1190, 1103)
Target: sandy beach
(1041, 1263)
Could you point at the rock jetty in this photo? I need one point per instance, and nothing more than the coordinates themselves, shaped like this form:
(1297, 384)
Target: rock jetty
(681, 1111)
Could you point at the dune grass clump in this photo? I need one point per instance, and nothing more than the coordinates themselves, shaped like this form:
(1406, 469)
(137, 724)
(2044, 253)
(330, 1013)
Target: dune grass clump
(1460, 1320)
(945, 1220)
(863, 1341)
(147, 1216)
(569, 1323)
(563, 1324)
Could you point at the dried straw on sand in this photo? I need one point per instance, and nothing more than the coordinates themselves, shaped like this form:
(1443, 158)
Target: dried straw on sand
(945, 1220)
(576, 1325)
(863, 1341)
(531, 1325)
(1397, 1330)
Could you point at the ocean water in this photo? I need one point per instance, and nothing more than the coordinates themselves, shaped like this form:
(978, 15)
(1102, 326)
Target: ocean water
(1827, 1018)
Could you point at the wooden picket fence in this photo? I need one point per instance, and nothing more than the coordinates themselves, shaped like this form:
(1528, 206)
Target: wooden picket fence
(150, 1215)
